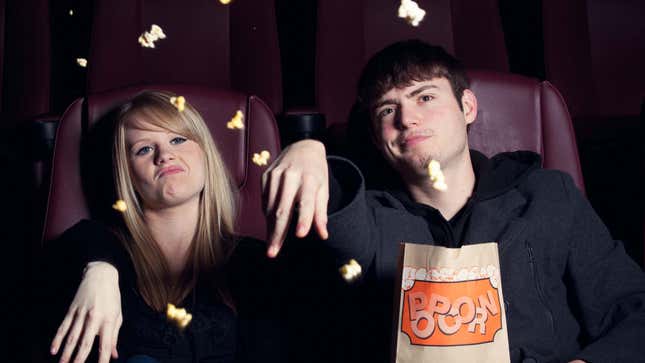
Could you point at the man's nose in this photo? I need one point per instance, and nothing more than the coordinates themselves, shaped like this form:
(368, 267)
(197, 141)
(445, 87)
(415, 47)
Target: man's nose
(408, 116)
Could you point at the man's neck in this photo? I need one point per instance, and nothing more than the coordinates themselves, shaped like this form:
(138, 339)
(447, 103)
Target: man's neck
(173, 230)
(460, 178)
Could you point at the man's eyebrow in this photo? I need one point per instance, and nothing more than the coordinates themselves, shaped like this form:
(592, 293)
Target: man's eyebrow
(421, 89)
(389, 101)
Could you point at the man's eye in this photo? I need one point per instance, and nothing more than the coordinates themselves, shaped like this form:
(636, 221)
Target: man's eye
(177, 140)
(384, 112)
(425, 98)
(144, 150)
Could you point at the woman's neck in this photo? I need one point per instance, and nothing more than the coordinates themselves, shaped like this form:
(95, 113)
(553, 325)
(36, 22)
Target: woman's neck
(173, 230)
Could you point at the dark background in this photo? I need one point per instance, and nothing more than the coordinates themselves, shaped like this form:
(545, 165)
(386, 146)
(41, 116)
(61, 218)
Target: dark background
(610, 135)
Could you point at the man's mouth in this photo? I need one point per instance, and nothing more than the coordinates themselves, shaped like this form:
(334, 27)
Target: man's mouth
(413, 140)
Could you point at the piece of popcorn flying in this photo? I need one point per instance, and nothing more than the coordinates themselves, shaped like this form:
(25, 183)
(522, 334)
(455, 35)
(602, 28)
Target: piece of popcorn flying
(71, 12)
(179, 102)
(411, 12)
(157, 32)
(262, 158)
(81, 62)
(351, 270)
(120, 206)
(145, 42)
(148, 39)
(178, 316)
(237, 122)
(436, 176)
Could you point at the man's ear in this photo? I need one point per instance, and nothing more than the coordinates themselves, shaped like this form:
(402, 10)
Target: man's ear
(469, 106)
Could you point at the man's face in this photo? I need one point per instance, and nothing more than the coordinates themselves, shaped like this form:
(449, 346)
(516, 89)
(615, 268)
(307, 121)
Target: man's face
(421, 122)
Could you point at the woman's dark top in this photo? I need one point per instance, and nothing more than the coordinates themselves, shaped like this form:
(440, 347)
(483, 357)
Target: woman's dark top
(251, 332)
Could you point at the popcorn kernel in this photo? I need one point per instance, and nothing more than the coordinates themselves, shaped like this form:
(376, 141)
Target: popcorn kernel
(148, 38)
(350, 271)
(262, 158)
(179, 102)
(237, 122)
(120, 206)
(436, 176)
(411, 12)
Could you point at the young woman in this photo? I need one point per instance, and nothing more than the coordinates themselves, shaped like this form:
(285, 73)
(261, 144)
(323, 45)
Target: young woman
(175, 244)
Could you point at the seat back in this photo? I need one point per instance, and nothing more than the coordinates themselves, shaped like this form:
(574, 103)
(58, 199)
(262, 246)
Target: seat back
(350, 32)
(520, 113)
(207, 43)
(514, 113)
(81, 183)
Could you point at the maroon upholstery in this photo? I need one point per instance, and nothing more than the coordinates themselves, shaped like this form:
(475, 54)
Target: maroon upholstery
(520, 113)
(68, 203)
(617, 35)
(225, 46)
(566, 32)
(478, 34)
(350, 32)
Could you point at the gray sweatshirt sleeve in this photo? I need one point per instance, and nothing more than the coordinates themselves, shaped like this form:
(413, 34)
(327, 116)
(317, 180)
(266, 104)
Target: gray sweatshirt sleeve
(609, 288)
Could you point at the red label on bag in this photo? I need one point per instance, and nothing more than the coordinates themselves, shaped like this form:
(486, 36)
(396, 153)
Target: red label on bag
(451, 313)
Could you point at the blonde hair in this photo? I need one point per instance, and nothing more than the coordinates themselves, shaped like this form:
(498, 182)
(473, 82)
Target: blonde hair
(213, 239)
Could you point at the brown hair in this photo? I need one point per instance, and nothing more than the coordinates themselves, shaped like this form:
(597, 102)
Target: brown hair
(401, 63)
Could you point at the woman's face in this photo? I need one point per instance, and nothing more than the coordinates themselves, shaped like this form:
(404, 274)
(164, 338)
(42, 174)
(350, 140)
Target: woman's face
(167, 168)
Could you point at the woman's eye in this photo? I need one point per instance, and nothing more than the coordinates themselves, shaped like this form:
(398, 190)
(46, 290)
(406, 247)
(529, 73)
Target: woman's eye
(177, 140)
(144, 150)
(425, 98)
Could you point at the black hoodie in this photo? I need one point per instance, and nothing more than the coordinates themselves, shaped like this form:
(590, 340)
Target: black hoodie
(570, 290)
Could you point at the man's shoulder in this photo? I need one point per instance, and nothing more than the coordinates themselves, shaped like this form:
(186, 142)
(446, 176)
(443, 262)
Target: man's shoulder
(382, 199)
(549, 180)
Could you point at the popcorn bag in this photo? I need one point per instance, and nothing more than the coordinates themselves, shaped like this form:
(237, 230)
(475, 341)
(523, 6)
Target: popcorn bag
(450, 306)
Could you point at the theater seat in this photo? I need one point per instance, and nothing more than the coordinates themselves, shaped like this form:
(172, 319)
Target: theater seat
(81, 182)
(520, 113)
(514, 113)
(350, 32)
(207, 43)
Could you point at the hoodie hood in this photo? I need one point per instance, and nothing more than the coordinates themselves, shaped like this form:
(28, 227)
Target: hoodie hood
(502, 172)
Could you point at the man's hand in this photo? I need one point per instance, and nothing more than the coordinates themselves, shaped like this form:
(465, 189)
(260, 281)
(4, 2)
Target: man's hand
(297, 180)
(95, 310)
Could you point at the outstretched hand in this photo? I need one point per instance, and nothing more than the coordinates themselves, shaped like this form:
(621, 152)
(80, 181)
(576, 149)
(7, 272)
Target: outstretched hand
(95, 310)
(296, 181)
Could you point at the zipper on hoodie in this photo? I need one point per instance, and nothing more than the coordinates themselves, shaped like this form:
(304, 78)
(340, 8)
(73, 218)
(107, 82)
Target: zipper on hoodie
(538, 285)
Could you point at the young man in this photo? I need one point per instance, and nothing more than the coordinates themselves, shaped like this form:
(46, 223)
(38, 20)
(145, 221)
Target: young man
(570, 291)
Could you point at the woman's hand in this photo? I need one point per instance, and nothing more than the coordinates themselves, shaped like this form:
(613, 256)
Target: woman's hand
(95, 310)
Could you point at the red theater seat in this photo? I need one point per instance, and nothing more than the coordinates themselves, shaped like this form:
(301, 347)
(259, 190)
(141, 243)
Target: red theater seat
(224, 46)
(350, 32)
(81, 184)
(514, 113)
(520, 113)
